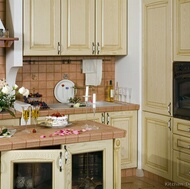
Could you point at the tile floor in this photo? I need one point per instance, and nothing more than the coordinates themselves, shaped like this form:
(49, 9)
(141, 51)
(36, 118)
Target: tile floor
(133, 182)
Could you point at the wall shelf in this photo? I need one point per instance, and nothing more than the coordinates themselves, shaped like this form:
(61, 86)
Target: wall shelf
(7, 42)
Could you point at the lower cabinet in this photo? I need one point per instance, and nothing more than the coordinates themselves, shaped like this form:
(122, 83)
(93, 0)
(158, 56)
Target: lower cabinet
(90, 116)
(126, 120)
(181, 152)
(8, 122)
(71, 166)
(157, 144)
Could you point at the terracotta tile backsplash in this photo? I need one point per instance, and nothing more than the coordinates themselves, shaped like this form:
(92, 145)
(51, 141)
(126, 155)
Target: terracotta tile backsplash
(41, 74)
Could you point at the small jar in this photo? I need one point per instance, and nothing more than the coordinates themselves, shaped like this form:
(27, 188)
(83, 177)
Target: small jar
(6, 34)
(1, 32)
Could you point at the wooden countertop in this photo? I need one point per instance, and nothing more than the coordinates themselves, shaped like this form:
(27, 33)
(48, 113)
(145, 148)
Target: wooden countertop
(22, 140)
(68, 111)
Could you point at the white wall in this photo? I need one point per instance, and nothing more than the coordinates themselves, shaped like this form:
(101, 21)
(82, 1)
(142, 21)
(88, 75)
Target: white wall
(128, 68)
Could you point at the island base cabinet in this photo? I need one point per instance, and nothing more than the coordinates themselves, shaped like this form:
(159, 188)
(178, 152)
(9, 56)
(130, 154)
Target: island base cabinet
(71, 166)
(181, 168)
(31, 169)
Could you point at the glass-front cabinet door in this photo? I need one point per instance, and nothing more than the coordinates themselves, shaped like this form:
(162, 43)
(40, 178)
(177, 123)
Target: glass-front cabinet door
(87, 165)
(32, 169)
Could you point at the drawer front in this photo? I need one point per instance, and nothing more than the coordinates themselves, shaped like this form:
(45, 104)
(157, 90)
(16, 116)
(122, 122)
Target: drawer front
(181, 168)
(181, 127)
(181, 143)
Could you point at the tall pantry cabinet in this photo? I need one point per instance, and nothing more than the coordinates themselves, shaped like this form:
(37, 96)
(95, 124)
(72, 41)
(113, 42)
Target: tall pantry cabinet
(75, 27)
(157, 87)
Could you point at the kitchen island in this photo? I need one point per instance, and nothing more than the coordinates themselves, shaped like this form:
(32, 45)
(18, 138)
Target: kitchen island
(44, 148)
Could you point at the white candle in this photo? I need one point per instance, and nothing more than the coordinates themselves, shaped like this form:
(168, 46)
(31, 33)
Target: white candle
(94, 100)
(86, 93)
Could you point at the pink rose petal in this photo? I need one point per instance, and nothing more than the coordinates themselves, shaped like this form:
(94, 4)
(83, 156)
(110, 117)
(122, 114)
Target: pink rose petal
(42, 136)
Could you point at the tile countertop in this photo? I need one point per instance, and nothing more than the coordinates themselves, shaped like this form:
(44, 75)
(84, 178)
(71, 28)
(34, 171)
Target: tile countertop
(117, 106)
(22, 140)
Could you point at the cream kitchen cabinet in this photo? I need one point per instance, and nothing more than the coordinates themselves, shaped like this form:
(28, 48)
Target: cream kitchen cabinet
(157, 144)
(181, 153)
(181, 30)
(157, 56)
(8, 122)
(41, 31)
(126, 120)
(75, 27)
(53, 167)
(90, 116)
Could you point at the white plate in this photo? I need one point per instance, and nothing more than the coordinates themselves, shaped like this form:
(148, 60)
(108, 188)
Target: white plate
(64, 90)
(11, 131)
(56, 127)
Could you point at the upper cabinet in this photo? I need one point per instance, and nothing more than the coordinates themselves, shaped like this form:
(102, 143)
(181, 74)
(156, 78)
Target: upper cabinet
(182, 30)
(157, 56)
(75, 27)
(41, 27)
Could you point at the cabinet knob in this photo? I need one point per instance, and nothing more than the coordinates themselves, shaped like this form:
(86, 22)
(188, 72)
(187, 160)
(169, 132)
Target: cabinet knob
(189, 130)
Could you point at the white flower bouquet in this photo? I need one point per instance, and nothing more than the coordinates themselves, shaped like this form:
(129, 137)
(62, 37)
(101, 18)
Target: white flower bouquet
(8, 96)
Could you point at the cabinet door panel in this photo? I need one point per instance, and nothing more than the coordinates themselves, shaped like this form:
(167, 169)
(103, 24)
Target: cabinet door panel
(89, 116)
(111, 30)
(181, 168)
(182, 30)
(157, 144)
(157, 56)
(41, 27)
(126, 120)
(77, 27)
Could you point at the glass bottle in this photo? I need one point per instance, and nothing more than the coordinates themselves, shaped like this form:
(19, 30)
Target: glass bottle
(108, 92)
(111, 92)
(116, 95)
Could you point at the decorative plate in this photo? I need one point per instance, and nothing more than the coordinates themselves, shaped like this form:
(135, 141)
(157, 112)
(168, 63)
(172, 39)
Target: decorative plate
(64, 90)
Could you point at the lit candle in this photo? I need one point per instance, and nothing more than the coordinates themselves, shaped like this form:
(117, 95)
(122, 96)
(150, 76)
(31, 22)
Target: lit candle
(94, 100)
(86, 93)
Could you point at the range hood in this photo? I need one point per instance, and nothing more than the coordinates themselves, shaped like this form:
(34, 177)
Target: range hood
(14, 57)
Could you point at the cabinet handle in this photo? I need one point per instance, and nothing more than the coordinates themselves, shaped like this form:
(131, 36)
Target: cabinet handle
(189, 130)
(169, 124)
(66, 154)
(169, 108)
(108, 119)
(103, 118)
(98, 48)
(93, 48)
(58, 48)
(60, 162)
(188, 146)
